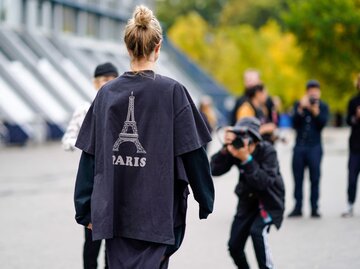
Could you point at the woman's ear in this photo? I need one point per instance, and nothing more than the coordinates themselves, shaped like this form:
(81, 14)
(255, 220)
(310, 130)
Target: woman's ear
(158, 46)
(157, 50)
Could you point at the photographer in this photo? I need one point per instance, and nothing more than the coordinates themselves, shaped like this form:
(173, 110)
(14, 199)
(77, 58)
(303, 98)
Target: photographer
(309, 118)
(353, 119)
(260, 189)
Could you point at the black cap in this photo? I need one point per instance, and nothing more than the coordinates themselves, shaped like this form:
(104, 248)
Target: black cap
(252, 124)
(312, 84)
(106, 69)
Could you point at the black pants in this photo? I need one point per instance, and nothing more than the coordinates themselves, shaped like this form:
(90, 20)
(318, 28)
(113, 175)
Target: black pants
(125, 253)
(354, 170)
(254, 226)
(307, 157)
(91, 251)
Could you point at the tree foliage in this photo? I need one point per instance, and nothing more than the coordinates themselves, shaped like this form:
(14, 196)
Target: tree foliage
(253, 12)
(169, 10)
(289, 41)
(227, 51)
(329, 33)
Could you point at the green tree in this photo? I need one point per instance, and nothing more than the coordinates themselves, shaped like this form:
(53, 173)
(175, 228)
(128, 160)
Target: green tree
(227, 51)
(253, 12)
(329, 33)
(168, 10)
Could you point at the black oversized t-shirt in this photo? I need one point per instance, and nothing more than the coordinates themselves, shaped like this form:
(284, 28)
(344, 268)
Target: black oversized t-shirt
(136, 126)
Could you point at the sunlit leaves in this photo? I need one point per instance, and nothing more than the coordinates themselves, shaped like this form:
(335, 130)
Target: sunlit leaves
(227, 51)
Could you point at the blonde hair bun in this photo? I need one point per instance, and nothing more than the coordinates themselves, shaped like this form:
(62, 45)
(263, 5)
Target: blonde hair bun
(142, 33)
(142, 16)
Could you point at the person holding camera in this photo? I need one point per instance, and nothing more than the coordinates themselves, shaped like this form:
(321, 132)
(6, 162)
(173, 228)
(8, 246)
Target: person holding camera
(260, 189)
(310, 115)
(353, 119)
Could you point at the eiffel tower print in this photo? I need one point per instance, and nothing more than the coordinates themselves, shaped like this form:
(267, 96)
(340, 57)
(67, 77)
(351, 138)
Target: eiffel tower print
(133, 137)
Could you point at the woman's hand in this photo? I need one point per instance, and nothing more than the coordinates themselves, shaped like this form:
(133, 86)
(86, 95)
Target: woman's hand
(89, 226)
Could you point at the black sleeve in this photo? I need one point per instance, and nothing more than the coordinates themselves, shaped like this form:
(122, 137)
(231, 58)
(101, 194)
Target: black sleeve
(322, 118)
(350, 114)
(221, 163)
(83, 188)
(197, 170)
(350, 117)
(260, 177)
(297, 118)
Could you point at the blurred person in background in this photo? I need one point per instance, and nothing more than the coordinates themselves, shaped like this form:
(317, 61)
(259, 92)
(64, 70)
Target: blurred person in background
(142, 144)
(310, 116)
(207, 111)
(353, 119)
(103, 74)
(251, 78)
(260, 189)
(257, 103)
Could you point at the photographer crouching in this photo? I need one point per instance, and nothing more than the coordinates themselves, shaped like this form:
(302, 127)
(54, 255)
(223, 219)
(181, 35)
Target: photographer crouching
(260, 189)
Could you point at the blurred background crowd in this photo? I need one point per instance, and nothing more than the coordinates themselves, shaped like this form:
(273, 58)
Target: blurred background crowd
(49, 49)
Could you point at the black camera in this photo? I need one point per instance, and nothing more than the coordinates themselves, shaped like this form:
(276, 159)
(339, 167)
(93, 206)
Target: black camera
(241, 133)
(313, 100)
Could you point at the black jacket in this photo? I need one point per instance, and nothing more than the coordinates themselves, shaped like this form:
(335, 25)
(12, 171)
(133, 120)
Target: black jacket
(354, 123)
(260, 181)
(308, 127)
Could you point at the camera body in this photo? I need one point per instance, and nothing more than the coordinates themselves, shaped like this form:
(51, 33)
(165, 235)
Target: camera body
(313, 100)
(241, 133)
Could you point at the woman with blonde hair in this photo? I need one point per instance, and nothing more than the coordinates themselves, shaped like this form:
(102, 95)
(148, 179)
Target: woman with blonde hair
(141, 140)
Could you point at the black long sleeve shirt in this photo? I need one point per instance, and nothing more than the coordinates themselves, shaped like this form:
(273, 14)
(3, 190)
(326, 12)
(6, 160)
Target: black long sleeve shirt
(308, 127)
(354, 122)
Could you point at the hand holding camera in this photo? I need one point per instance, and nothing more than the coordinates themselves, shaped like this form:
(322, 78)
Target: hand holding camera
(310, 103)
(239, 143)
(314, 105)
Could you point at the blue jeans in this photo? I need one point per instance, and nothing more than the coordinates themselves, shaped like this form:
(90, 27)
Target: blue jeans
(307, 157)
(354, 170)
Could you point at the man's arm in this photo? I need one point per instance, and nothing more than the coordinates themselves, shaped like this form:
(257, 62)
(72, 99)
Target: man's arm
(297, 116)
(197, 170)
(221, 162)
(322, 118)
(83, 189)
(352, 118)
(260, 177)
(350, 113)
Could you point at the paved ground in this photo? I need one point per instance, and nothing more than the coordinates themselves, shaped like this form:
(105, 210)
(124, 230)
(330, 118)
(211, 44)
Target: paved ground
(37, 228)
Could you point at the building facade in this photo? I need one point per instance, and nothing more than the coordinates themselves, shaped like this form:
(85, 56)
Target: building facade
(101, 19)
